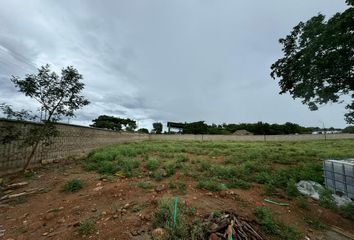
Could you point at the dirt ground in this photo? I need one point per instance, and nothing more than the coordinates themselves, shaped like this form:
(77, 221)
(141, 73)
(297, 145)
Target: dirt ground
(123, 210)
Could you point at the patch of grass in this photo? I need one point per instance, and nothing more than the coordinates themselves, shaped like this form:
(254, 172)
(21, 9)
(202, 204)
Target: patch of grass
(145, 185)
(326, 199)
(181, 158)
(315, 223)
(163, 217)
(20, 200)
(182, 187)
(271, 226)
(265, 219)
(211, 185)
(301, 201)
(169, 168)
(347, 211)
(263, 177)
(291, 189)
(152, 164)
(73, 185)
(87, 227)
(269, 189)
(238, 183)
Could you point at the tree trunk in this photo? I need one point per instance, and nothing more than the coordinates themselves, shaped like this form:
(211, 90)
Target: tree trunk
(28, 160)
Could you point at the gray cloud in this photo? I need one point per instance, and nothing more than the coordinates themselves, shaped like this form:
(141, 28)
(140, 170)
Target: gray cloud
(163, 60)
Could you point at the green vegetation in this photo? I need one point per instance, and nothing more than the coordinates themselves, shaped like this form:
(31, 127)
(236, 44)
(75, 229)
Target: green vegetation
(163, 217)
(347, 211)
(326, 199)
(145, 185)
(73, 185)
(217, 165)
(271, 226)
(87, 227)
(152, 164)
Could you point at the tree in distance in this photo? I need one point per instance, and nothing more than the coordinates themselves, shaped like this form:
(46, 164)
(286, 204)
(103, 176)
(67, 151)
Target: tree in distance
(114, 123)
(157, 127)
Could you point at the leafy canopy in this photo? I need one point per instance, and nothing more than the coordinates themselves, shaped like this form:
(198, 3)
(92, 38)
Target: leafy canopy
(58, 95)
(114, 123)
(157, 127)
(318, 61)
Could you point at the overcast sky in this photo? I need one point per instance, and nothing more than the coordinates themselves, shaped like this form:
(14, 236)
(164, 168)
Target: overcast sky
(163, 60)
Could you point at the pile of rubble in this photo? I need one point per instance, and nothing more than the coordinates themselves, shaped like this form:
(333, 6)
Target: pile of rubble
(228, 225)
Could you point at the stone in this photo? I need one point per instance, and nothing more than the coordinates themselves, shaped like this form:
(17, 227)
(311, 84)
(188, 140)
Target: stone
(126, 205)
(158, 233)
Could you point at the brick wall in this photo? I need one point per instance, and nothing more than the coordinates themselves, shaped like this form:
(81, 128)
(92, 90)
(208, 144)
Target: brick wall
(72, 141)
(76, 140)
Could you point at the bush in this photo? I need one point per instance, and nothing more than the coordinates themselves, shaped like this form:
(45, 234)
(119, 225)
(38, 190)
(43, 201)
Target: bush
(182, 158)
(291, 189)
(87, 227)
(265, 219)
(73, 185)
(211, 185)
(347, 211)
(163, 217)
(269, 225)
(326, 199)
(152, 164)
(263, 177)
(238, 183)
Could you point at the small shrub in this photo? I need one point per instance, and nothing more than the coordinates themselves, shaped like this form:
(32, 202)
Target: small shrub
(265, 219)
(181, 158)
(87, 227)
(238, 183)
(263, 177)
(158, 175)
(315, 223)
(288, 232)
(291, 189)
(73, 185)
(182, 188)
(301, 201)
(347, 211)
(152, 164)
(170, 168)
(211, 185)
(271, 226)
(269, 189)
(326, 199)
(163, 217)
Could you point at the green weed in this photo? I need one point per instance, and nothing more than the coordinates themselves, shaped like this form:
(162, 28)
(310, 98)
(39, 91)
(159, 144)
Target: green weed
(73, 185)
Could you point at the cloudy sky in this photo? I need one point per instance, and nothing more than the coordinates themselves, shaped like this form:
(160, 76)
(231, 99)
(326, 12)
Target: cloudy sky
(163, 60)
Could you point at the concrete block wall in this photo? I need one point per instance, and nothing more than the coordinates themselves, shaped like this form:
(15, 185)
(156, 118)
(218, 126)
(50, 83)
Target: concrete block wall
(72, 140)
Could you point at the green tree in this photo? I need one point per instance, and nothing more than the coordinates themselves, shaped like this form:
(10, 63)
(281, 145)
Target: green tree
(58, 96)
(157, 127)
(114, 123)
(199, 127)
(107, 122)
(143, 130)
(318, 62)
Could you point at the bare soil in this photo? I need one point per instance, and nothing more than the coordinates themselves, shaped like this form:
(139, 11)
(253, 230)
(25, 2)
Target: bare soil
(122, 209)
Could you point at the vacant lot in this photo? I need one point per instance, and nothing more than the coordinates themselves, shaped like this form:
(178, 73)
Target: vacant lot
(126, 191)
